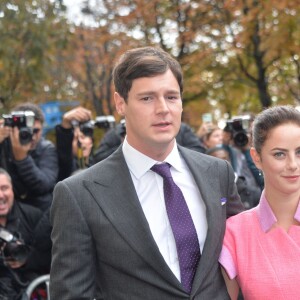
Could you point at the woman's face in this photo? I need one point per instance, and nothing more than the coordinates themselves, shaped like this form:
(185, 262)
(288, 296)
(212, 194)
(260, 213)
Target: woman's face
(215, 138)
(222, 154)
(280, 160)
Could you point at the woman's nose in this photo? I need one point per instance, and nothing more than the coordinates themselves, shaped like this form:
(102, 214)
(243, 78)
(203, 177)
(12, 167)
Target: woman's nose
(293, 162)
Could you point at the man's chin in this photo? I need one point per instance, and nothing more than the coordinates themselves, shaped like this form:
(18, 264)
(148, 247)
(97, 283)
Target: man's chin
(32, 146)
(3, 215)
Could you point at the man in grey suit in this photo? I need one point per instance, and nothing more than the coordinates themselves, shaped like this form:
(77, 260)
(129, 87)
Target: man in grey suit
(112, 235)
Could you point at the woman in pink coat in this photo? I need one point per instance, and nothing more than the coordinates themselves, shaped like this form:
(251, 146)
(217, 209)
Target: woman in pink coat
(261, 249)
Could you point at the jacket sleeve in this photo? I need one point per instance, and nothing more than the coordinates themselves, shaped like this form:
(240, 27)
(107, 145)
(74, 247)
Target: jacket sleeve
(72, 274)
(234, 204)
(64, 138)
(187, 138)
(39, 171)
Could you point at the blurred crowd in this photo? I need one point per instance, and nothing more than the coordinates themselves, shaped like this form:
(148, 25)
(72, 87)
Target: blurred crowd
(31, 165)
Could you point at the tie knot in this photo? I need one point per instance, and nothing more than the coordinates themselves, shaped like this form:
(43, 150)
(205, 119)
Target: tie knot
(162, 169)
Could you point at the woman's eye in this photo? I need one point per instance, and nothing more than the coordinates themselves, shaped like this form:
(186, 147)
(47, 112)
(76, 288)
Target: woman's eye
(279, 154)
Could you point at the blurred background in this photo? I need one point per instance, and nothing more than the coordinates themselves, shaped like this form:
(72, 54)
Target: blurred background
(238, 56)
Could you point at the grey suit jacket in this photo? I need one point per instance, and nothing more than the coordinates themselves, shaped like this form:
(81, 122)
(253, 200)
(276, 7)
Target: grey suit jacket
(102, 244)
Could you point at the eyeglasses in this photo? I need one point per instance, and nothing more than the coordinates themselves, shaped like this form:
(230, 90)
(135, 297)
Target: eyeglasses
(36, 130)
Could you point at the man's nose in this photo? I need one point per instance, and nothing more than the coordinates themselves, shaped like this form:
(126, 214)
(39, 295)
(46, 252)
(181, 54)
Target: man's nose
(162, 105)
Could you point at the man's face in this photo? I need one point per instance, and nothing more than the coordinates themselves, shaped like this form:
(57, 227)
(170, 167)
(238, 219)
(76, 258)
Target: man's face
(152, 113)
(6, 196)
(37, 134)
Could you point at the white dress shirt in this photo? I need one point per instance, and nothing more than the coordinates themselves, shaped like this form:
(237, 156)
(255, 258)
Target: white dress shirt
(149, 188)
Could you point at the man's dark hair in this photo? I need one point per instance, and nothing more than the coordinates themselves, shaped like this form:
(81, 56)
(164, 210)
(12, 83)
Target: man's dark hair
(143, 62)
(39, 115)
(4, 172)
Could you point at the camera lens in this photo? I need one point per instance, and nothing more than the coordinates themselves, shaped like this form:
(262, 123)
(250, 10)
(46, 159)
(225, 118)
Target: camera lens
(240, 139)
(16, 251)
(25, 136)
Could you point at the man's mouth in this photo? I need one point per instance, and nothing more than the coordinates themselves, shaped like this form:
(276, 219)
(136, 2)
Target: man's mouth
(162, 124)
(2, 204)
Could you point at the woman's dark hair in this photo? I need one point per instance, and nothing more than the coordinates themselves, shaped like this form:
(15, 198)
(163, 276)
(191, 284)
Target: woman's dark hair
(269, 119)
(143, 62)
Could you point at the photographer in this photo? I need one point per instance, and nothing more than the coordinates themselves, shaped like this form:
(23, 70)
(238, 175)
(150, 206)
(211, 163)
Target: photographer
(237, 139)
(30, 159)
(18, 251)
(74, 149)
(75, 139)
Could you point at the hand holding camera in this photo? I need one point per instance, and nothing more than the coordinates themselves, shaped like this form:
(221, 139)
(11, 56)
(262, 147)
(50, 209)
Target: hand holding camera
(78, 114)
(19, 127)
(4, 131)
(14, 251)
(19, 149)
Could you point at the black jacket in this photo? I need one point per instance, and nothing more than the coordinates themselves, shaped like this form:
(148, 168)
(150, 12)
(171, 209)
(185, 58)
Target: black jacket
(21, 222)
(34, 177)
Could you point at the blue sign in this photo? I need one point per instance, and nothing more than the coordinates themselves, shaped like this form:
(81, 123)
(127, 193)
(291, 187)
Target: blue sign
(54, 111)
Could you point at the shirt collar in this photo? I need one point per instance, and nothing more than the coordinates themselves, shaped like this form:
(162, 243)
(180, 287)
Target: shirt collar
(139, 163)
(266, 216)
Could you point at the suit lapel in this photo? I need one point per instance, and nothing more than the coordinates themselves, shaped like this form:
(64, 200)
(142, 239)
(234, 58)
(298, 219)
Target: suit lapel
(121, 203)
(205, 174)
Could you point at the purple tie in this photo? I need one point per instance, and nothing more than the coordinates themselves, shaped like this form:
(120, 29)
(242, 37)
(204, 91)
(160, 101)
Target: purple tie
(183, 228)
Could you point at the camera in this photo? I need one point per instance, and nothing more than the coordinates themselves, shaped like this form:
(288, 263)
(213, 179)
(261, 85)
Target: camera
(87, 128)
(12, 247)
(239, 127)
(24, 120)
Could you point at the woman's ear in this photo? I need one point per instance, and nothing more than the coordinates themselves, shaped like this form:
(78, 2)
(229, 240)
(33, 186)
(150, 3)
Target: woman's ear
(255, 157)
(120, 104)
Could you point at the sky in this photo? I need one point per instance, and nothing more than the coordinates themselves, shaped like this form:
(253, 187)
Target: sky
(73, 10)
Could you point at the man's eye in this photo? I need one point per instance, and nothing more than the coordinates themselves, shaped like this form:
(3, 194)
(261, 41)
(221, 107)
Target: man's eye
(146, 98)
(173, 97)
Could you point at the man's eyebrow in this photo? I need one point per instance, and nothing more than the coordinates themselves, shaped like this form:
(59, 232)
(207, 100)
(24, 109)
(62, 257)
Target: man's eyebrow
(153, 92)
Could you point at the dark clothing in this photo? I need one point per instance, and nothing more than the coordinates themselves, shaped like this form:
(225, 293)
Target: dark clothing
(43, 245)
(114, 137)
(67, 162)
(250, 195)
(21, 222)
(257, 174)
(187, 138)
(110, 142)
(232, 156)
(34, 177)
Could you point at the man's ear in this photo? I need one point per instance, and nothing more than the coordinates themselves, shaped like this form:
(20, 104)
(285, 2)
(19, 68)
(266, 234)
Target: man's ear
(255, 157)
(120, 104)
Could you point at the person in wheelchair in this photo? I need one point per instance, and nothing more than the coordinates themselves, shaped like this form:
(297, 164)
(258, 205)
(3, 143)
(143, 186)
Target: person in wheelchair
(18, 264)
